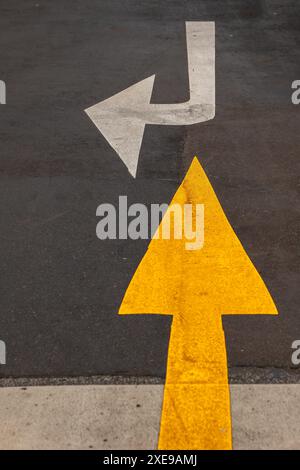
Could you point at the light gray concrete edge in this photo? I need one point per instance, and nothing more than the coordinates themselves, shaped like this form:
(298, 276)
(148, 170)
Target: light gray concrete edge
(113, 417)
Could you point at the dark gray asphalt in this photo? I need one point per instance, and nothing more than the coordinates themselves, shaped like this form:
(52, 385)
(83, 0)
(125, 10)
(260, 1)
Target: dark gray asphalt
(60, 287)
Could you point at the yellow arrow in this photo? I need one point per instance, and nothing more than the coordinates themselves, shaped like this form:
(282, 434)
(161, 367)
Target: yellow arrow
(197, 287)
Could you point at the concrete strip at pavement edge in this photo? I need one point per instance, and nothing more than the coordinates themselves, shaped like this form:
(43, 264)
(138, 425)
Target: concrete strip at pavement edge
(113, 417)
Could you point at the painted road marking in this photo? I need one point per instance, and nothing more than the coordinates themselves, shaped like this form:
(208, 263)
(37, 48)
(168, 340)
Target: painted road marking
(197, 287)
(122, 118)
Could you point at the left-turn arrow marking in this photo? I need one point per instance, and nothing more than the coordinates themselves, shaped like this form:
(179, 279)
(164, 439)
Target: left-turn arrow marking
(122, 118)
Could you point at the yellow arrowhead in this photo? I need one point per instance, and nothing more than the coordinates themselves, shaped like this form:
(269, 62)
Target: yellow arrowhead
(197, 288)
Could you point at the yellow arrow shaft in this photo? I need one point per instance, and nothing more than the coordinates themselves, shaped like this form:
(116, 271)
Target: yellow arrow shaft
(196, 406)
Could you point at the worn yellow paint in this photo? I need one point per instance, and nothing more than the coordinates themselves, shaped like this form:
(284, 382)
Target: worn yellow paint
(197, 287)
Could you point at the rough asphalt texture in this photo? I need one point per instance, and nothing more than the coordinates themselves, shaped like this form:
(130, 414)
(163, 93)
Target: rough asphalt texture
(60, 287)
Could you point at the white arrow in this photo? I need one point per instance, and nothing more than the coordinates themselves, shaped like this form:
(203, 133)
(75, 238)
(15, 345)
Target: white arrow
(122, 118)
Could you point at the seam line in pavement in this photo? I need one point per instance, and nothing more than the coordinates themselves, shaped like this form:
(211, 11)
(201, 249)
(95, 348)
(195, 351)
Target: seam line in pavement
(237, 375)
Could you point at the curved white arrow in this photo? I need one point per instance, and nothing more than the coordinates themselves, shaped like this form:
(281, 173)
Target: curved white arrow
(122, 118)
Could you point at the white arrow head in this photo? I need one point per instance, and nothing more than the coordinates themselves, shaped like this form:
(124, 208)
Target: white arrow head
(120, 123)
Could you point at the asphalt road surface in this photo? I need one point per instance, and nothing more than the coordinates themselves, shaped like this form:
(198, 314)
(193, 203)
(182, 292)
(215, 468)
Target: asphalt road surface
(60, 286)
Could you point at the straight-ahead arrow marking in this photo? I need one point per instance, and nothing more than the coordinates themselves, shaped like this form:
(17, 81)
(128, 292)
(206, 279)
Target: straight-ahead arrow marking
(122, 118)
(197, 288)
